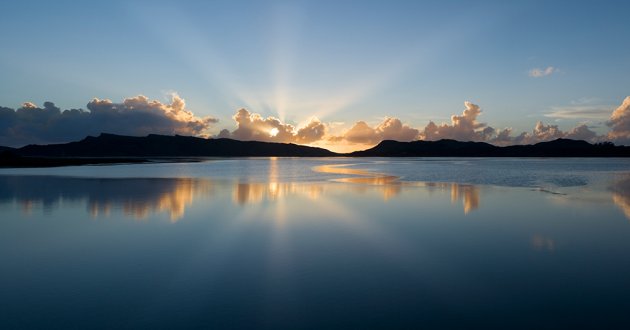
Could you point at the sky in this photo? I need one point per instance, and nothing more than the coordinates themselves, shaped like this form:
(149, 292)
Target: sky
(337, 74)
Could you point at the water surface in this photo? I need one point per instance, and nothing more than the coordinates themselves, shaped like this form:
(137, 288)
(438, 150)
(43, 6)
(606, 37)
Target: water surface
(317, 243)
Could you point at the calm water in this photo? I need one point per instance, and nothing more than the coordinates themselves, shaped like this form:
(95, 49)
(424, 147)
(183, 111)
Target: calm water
(318, 243)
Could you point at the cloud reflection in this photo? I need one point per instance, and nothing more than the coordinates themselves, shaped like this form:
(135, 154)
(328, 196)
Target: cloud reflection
(391, 186)
(137, 198)
(468, 194)
(140, 198)
(621, 194)
(543, 243)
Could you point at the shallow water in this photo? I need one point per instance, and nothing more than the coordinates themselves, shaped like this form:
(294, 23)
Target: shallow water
(317, 243)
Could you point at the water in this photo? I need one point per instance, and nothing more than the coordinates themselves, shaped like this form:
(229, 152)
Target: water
(317, 243)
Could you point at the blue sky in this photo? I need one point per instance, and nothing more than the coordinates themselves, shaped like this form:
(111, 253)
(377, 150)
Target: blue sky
(342, 61)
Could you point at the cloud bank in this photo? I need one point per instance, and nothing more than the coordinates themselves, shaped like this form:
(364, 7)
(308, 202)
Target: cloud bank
(140, 116)
(466, 127)
(253, 127)
(137, 115)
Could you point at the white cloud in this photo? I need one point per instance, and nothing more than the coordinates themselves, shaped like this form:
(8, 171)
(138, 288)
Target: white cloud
(620, 123)
(464, 127)
(542, 72)
(580, 112)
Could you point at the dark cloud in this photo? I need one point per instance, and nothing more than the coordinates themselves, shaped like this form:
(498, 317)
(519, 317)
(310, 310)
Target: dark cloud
(134, 116)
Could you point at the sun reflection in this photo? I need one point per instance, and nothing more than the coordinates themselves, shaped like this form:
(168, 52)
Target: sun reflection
(389, 184)
(257, 192)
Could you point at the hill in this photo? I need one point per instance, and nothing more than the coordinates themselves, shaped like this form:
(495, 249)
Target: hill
(452, 148)
(110, 148)
(110, 145)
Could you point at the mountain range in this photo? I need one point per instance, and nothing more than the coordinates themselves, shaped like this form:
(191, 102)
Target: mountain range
(452, 148)
(110, 148)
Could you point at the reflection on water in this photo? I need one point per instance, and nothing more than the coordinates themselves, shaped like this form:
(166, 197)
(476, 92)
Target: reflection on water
(360, 176)
(141, 197)
(621, 194)
(174, 201)
(542, 243)
(468, 194)
(137, 198)
(254, 192)
(261, 247)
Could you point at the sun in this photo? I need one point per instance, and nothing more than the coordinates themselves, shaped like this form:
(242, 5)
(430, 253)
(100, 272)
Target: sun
(273, 132)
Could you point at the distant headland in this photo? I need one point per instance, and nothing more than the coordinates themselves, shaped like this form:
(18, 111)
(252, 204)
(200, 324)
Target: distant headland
(110, 148)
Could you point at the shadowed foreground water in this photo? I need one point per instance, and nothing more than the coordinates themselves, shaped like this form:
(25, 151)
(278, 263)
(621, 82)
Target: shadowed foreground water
(317, 243)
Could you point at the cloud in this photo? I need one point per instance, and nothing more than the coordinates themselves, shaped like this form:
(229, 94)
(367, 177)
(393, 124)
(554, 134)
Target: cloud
(388, 129)
(579, 112)
(140, 116)
(253, 127)
(313, 131)
(464, 127)
(542, 72)
(543, 133)
(134, 116)
(361, 132)
(620, 123)
(30, 105)
(582, 132)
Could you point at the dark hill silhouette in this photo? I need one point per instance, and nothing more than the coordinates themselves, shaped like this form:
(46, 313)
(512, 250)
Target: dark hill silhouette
(110, 145)
(452, 148)
(110, 148)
